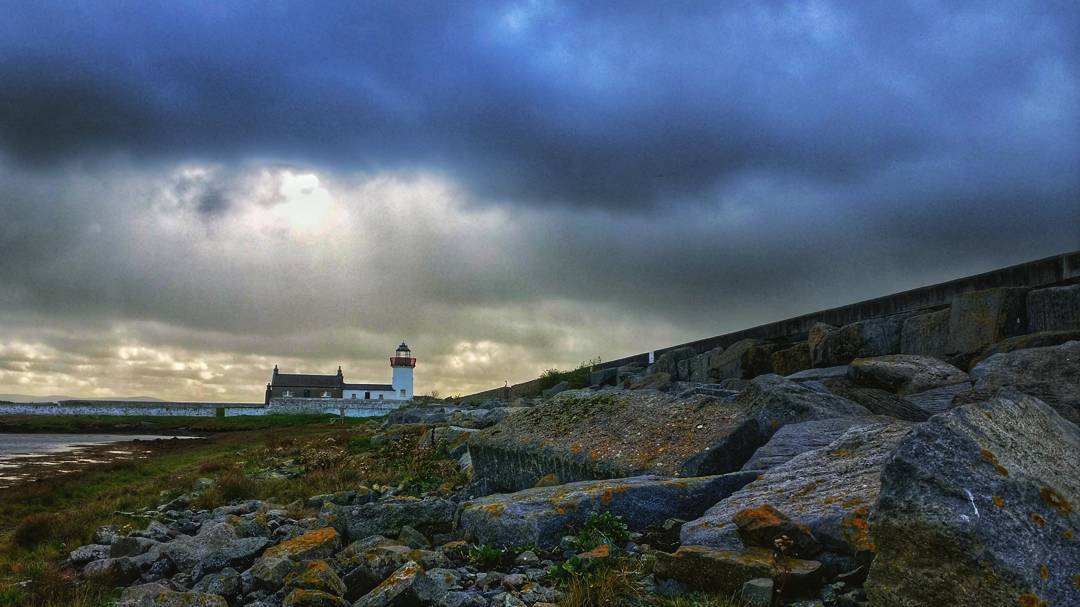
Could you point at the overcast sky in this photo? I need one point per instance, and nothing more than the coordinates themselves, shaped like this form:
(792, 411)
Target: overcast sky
(192, 192)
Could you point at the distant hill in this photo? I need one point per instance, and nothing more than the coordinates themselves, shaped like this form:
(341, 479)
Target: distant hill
(26, 398)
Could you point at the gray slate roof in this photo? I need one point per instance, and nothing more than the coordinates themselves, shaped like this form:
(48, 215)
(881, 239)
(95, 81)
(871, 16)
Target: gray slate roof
(301, 380)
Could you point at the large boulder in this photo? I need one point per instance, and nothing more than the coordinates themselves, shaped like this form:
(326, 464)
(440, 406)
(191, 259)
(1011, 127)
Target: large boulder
(725, 571)
(795, 439)
(830, 490)
(1054, 309)
(408, 586)
(792, 360)
(318, 544)
(581, 436)
(699, 366)
(904, 373)
(1042, 339)
(668, 362)
(980, 318)
(388, 516)
(830, 346)
(214, 547)
(978, 508)
(543, 515)
(926, 334)
(119, 571)
(1050, 374)
(744, 359)
(366, 563)
(937, 400)
(877, 401)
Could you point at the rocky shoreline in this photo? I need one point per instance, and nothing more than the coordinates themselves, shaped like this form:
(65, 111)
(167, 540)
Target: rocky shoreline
(862, 477)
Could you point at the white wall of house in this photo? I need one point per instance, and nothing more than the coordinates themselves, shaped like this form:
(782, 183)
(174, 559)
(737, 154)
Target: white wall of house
(369, 394)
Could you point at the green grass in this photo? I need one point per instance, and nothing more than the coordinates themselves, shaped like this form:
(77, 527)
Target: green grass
(41, 522)
(577, 378)
(151, 424)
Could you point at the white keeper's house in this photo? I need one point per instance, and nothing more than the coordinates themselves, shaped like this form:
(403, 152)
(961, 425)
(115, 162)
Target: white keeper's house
(304, 385)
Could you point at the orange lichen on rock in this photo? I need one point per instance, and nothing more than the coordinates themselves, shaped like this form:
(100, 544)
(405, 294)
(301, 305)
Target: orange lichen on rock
(301, 545)
(857, 529)
(761, 516)
(1037, 519)
(998, 501)
(1030, 600)
(992, 459)
(1044, 572)
(1056, 500)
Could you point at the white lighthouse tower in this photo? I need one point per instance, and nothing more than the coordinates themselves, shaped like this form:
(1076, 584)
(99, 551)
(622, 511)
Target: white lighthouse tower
(403, 363)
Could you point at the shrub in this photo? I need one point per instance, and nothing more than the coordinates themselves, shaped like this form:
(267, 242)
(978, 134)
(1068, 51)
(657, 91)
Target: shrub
(577, 378)
(34, 529)
(601, 528)
(611, 585)
(485, 557)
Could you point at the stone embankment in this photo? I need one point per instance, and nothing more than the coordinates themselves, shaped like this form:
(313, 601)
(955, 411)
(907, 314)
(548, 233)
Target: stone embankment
(930, 459)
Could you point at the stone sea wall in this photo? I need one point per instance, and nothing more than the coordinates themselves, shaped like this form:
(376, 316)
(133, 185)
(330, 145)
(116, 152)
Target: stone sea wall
(1022, 289)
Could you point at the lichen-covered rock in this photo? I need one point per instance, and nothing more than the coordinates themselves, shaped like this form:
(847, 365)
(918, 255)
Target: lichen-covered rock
(215, 547)
(318, 544)
(156, 595)
(978, 507)
(830, 490)
(926, 334)
(581, 436)
(980, 318)
(1050, 374)
(226, 583)
(316, 575)
(878, 402)
(937, 400)
(1054, 309)
(90, 552)
(408, 586)
(542, 516)
(761, 526)
(131, 546)
(904, 373)
(794, 439)
(116, 571)
(301, 597)
(744, 359)
(792, 360)
(269, 572)
(388, 516)
(830, 346)
(1024, 342)
(725, 571)
(365, 565)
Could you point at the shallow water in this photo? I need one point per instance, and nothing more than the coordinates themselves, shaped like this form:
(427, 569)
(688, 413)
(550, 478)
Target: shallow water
(25, 456)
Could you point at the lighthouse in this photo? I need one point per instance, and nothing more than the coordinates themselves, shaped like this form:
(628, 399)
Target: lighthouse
(403, 363)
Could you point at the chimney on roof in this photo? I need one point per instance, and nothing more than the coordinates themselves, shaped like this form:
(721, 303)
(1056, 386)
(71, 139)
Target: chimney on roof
(275, 369)
(339, 374)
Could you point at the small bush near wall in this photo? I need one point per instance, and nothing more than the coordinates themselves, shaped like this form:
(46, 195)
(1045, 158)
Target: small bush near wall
(577, 378)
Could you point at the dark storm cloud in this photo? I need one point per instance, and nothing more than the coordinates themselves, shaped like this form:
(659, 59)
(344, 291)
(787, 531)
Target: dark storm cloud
(192, 192)
(532, 101)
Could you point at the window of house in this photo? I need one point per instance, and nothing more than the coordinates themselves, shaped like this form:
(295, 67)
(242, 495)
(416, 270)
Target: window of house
(287, 393)
(403, 391)
(380, 397)
(367, 395)
(354, 395)
(307, 393)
